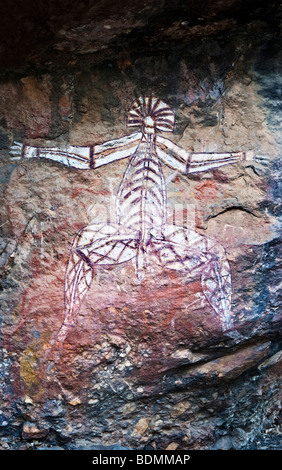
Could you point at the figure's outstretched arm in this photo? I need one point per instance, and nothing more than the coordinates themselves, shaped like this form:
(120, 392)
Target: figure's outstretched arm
(192, 162)
(81, 157)
(77, 157)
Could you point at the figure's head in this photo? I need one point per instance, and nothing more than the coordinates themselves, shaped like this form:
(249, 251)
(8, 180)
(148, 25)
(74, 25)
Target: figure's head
(151, 114)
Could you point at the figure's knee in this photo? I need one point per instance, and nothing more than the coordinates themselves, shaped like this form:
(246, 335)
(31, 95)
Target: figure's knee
(183, 236)
(89, 234)
(194, 240)
(216, 250)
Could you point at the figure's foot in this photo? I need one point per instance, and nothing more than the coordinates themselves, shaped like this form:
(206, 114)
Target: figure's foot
(56, 345)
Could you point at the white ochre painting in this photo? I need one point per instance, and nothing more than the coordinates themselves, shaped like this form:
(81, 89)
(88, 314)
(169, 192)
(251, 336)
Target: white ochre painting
(141, 233)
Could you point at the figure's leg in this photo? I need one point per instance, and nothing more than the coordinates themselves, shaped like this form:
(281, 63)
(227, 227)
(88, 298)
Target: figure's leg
(78, 279)
(216, 284)
(185, 250)
(93, 245)
(179, 249)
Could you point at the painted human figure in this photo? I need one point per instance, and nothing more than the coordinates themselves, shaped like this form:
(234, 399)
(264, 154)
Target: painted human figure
(140, 232)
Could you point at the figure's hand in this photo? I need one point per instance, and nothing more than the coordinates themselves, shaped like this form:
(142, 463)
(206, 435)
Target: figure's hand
(262, 159)
(251, 156)
(16, 150)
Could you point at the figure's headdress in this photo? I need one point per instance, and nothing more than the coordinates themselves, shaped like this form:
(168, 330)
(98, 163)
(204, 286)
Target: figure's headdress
(151, 114)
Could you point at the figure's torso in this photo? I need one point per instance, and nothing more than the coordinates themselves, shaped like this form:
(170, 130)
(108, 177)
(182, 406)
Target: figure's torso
(141, 199)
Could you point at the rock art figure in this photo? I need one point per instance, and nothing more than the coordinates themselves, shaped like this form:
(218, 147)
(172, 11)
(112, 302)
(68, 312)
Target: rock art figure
(140, 232)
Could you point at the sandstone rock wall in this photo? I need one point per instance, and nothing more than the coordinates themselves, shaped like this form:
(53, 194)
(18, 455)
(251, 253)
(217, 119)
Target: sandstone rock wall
(148, 365)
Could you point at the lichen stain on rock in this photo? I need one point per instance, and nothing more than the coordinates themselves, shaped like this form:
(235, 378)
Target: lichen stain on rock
(29, 371)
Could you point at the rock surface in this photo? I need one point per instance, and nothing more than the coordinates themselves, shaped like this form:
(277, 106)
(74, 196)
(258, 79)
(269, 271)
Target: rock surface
(148, 366)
